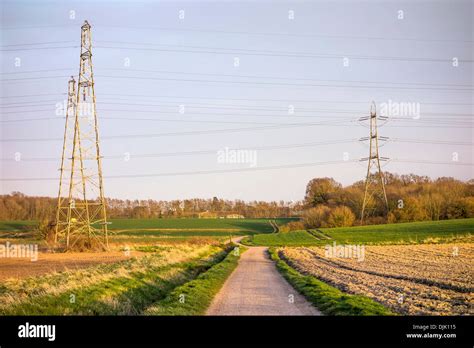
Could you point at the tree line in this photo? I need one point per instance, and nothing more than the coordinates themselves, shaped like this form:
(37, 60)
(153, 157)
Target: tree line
(17, 206)
(326, 204)
(410, 198)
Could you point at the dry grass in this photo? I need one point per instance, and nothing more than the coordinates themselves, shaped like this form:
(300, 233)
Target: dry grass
(14, 291)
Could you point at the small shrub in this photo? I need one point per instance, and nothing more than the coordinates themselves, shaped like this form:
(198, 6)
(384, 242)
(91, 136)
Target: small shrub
(341, 216)
(292, 226)
(316, 217)
(46, 229)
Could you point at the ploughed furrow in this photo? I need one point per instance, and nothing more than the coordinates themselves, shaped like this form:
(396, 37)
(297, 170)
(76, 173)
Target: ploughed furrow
(387, 274)
(401, 293)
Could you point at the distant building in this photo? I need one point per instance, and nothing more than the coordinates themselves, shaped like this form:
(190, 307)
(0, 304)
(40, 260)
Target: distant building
(235, 216)
(207, 215)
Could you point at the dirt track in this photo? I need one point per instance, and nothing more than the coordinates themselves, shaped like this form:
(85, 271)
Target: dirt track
(256, 288)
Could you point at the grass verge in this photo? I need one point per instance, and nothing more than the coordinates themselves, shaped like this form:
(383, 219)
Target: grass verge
(194, 297)
(328, 299)
(129, 288)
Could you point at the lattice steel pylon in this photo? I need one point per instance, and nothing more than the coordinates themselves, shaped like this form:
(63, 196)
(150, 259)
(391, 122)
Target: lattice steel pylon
(81, 215)
(374, 182)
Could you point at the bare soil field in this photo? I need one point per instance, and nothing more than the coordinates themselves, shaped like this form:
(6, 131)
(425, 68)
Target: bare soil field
(409, 279)
(48, 262)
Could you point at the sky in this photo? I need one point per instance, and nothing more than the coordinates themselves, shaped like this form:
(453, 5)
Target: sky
(181, 86)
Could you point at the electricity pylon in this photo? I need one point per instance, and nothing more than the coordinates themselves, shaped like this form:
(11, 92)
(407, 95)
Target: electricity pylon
(69, 129)
(374, 180)
(81, 215)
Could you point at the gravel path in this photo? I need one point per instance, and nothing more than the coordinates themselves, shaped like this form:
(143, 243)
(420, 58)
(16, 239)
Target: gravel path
(256, 288)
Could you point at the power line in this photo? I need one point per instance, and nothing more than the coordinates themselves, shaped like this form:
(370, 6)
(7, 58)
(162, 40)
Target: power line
(157, 135)
(279, 83)
(193, 106)
(199, 152)
(250, 169)
(440, 142)
(179, 121)
(190, 106)
(434, 126)
(263, 54)
(350, 37)
(34, 71)
(38, 27)
(134, 102)
(37, 48)
(435, 121)
(246, 76)
(212, 122)
(233, 107)
(246, 82)
(433, 162)
(340, 122)
(37, 43)
(29, 103)
(201, 172)
(240, 76)
(32, 95)
(35, 78)
(199, 30)
(244, 51)
(120, 97)
(450, 123)
(258, 148)
(291, 55)
(453, 119)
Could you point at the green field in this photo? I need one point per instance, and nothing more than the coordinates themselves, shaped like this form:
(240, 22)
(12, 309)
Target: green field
(413, 232)
(17, 226)
(182, 233)
(175, 228)
(141, 230)
(251, 225)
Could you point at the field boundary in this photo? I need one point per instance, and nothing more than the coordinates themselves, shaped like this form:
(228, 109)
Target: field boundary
(195, 296)
(328, 299)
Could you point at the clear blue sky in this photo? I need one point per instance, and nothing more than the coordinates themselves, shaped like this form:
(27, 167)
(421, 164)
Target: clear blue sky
(307, 72)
